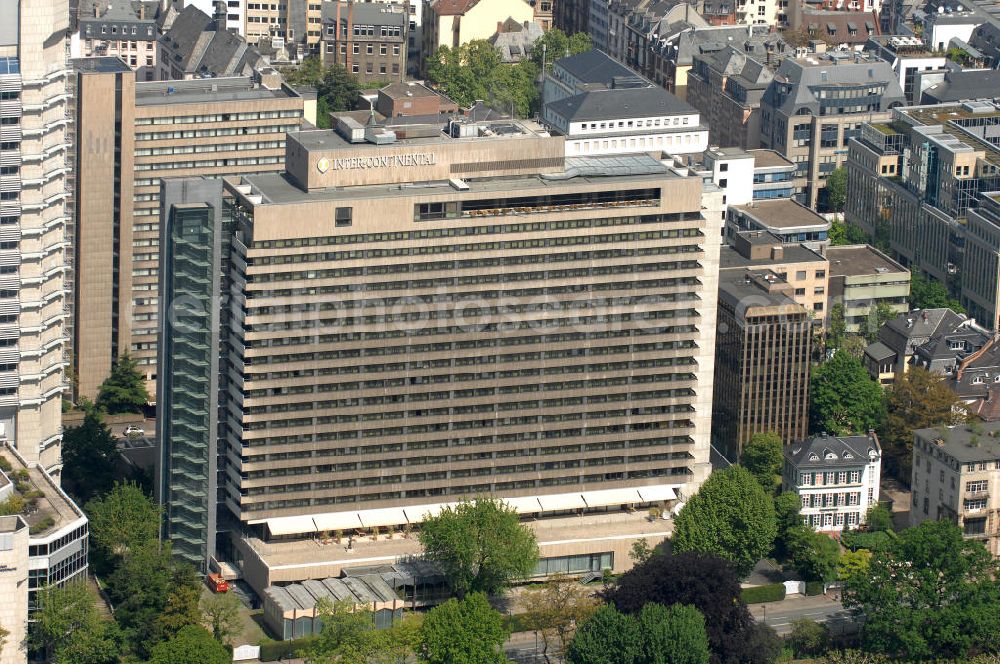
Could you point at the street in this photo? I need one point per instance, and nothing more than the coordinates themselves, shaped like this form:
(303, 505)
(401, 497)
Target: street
(821, 608)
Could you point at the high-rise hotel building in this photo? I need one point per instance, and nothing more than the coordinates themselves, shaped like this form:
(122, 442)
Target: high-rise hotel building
(410, 322)
(33, 174)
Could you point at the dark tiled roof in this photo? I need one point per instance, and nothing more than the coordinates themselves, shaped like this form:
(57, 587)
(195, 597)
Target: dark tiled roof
(823, 451)
(594, 66)
(618, 103)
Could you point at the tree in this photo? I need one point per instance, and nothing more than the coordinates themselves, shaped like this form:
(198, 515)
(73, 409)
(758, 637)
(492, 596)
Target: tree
(90, 454)
(836, 331)
(928, 294)
(764, 457)
(813, 555)
(930, 594)
(845, 399)
(348, 634)
(466, 631)
(124, 391)
(68, 627)
(191, 645)
(853, 562)
(843, 233)
(555, 44)
(181, 606)
(480, 546)
(221, 616)
(673, 635)
(609, 637)
(730, 516)
(555, 609)
(704, 581)
(878, 518)
(786, 509)
(474, 71)
(878, 315)
(808, 638)
(124, 520)
(916, 400)
(142, 585)
(339, 89)
(836, 189)
(640, 551)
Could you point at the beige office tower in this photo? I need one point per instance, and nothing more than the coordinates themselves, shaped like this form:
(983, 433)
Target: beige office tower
(130, 135)
(32, 194)
(417, 321)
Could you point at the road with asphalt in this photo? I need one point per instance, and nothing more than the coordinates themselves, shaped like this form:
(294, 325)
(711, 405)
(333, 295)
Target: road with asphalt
(821, 608)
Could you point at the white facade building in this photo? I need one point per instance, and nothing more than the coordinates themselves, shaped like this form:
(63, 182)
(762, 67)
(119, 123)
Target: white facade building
(837, 479)
(626, 121)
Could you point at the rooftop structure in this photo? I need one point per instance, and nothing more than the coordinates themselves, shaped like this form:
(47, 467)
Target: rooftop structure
(963, 85)
(789, 220)
(514, 40)
(862, 279)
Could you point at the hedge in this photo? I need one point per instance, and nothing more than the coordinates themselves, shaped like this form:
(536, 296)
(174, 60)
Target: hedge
(774, 592)
(271, 651)
(814, 588)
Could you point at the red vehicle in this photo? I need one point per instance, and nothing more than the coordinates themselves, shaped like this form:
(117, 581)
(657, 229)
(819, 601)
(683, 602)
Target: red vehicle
(217, 583)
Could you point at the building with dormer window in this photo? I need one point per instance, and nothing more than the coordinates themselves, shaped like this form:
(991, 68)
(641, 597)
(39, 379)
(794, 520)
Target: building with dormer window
(837, 478)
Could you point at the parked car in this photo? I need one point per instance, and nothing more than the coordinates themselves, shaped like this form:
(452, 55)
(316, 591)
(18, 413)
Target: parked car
(134, 431)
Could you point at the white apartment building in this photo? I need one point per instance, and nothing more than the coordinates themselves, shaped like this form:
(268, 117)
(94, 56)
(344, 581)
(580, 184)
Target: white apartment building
(837, 478)
(33, 189)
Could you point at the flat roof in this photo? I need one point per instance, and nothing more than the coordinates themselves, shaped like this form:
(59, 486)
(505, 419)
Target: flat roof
(328, 139)
(782, 213)
(729, 258)
(743, 294)
(53, 502)
(214, 90)
(860, 259)
(278, 189)
(104, 64)
(769, 159)
(957, 441)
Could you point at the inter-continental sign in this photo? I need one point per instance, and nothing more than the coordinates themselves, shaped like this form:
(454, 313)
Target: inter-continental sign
(376, 161)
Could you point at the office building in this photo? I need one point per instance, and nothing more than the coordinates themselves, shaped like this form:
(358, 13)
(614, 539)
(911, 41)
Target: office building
(773, 175)
(792, 222)
(594, 69)
(387, 352)
(45, 545)
(805, 270)
(33, 177)
(170, 129)
(956, 472)
(837, 478)
(368, 39)
(762, 356)
(815, 105)
(923, 183)
(862, 278)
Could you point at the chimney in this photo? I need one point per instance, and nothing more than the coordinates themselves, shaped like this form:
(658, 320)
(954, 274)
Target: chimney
(777, 252)
(142, 11)
(499, 26)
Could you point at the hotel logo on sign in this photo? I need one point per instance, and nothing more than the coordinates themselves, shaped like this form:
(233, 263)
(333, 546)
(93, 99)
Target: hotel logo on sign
(376, 161)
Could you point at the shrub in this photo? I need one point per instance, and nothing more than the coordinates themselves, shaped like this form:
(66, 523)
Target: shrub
(773, 592)
(11, 506)
(42, 525)
(814, 588)
(272, 651)
(5, 465)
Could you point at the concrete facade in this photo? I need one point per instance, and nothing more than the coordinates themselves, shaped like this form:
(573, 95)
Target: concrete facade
(956, 474)
(33, 189)
(177, 129)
